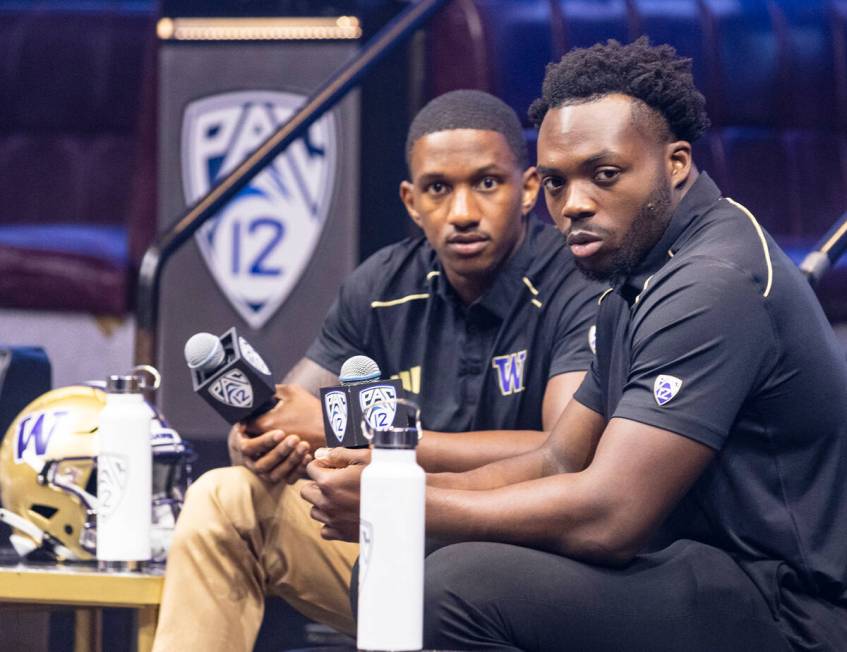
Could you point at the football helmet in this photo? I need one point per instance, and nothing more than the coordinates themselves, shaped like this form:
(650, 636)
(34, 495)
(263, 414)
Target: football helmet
(48, 476)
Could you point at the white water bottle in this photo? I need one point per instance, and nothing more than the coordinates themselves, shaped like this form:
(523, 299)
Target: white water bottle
(124, 475)
(391, 542)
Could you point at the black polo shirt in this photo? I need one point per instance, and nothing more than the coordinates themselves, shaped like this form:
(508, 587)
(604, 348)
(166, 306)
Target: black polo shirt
(477, 367)
(719, 338)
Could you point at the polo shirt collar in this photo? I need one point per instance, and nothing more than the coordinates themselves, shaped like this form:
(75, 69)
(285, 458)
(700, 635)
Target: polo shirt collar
(700, 197)
(500, 297)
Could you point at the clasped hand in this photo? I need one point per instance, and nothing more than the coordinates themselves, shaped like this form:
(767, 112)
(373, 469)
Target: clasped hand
(334, 490)
(268, 444)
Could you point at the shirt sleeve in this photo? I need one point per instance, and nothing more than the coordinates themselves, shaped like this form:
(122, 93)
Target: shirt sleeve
(589, 392)
(701, 341)
(572, 344)
(343, 333)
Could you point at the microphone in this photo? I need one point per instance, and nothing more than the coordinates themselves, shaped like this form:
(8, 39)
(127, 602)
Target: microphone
(827, 252)
(230, 375)
(344, 405)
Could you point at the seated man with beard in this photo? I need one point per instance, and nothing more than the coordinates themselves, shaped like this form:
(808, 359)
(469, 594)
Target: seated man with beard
(693, 495)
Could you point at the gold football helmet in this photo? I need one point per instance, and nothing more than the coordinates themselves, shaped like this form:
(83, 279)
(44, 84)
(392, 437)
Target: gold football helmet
(48, 476)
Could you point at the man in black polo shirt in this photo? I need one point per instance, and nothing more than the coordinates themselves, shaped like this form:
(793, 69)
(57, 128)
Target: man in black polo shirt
(693, 495)
(485, 320)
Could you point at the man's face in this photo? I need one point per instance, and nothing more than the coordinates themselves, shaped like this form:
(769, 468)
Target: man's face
(607, 181)
(468, 194)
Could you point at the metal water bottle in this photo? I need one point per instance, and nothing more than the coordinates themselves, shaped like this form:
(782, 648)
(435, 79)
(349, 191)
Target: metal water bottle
(391, 541)
(124, 474)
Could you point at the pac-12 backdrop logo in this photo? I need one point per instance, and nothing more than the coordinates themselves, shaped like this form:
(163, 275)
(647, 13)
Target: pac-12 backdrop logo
(259, 244)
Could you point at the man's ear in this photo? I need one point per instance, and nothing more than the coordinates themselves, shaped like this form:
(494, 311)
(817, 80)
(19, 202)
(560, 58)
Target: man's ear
(679, 162)
(531, 186)
(407, 196)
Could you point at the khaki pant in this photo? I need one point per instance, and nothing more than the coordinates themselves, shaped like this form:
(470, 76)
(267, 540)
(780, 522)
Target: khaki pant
(237, 540)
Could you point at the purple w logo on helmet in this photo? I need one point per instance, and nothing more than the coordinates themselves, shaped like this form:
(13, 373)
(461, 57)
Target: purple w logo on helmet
(34, 433)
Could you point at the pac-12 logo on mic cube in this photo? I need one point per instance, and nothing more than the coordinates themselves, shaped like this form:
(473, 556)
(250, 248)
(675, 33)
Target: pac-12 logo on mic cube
(335, 404)
(230, 375)
(382, 401)
(361, 394)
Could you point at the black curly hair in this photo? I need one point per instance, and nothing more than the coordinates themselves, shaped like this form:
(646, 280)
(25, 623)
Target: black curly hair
(656, 75)
(469, 109)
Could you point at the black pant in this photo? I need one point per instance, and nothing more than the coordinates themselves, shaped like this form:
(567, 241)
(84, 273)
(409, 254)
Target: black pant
(688, 597)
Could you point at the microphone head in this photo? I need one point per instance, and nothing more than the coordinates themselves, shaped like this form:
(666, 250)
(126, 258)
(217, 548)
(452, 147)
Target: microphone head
(358, 369)
(204, 352)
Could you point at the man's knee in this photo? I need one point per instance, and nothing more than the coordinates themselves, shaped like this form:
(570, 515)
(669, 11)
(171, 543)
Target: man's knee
(218, 504)
(453, 590)
(478, 593)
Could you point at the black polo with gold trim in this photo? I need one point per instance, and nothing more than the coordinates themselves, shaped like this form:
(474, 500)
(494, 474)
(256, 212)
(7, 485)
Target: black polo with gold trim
(719, 338)
(477, 367)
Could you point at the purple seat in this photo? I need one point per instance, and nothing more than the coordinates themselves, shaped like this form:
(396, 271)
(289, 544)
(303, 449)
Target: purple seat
(73, 101)
(471, 53)
(680, 24)
(585, 22)
(758, 153)
(746, 63)
(808, 79)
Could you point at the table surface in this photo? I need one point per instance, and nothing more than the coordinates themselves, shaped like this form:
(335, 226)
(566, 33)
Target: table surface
(80, 584)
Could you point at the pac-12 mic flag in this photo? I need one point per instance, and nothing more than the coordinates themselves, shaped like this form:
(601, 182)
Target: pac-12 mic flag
(230, 375)
(361, 393)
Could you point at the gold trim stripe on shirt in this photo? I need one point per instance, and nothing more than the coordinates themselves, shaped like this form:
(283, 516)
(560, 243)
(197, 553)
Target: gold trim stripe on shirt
(397, 302)
(531, 287)
(764, 242)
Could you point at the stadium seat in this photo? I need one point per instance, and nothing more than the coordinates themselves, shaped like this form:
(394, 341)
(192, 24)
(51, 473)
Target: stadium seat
(76, 200)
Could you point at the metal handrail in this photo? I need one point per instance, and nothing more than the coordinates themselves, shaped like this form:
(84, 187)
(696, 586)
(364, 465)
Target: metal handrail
(332, 91)
(826, 252)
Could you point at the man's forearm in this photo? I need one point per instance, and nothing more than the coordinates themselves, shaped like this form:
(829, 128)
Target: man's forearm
(456, 452)
(555, 513)
(528, 466)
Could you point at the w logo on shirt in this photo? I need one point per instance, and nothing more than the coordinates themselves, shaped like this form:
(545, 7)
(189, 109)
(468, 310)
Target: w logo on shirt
(510, 368)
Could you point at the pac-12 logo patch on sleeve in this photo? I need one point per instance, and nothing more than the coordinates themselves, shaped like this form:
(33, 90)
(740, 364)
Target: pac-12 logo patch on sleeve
(665, 388)
(258, 246)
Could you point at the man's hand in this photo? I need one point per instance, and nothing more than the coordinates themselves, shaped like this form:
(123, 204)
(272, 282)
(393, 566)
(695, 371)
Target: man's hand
(272, 455)
(334, 492)
(296, 411)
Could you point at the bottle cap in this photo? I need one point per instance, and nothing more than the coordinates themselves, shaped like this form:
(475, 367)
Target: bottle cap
(123, 385)
(402, 438)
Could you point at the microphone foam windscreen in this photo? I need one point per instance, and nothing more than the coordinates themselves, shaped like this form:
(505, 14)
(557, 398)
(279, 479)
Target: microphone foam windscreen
(357, 369)
(204, 352)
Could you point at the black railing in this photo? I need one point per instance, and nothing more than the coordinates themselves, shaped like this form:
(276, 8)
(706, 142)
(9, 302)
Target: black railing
(332, 91)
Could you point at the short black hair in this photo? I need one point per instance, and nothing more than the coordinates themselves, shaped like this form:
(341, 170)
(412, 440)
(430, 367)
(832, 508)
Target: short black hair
(469, 109)
(656, 75)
